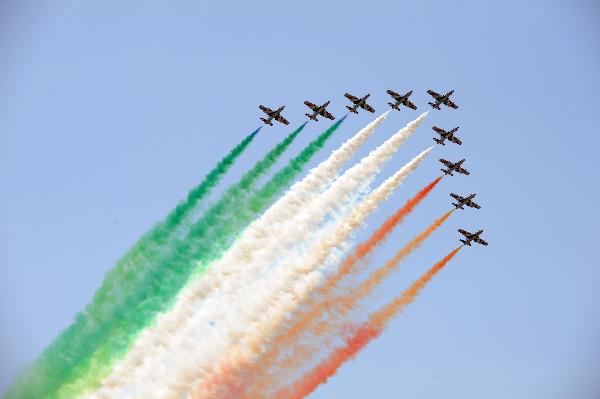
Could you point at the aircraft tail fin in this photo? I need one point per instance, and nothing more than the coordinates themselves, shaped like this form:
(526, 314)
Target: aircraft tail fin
(266, 121)
(351, 109)
(439, 141)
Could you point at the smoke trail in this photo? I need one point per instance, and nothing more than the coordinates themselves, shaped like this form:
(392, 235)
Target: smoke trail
(276, 246)
(203, 251)
(338, 306)
(352, 179)
(382, 317)
(368, 331)
(301, 192)
(126, 272)
(323, 301)
(290, 284)
(310, 381)
(378, 236)
(349, 300)
(126, 312)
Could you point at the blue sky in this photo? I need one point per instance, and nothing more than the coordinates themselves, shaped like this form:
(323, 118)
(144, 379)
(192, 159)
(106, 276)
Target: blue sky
(110, 111)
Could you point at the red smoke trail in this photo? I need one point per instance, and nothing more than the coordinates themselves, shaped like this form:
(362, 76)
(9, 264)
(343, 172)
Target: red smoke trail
(365, 248)
(338, 305)
(349, 298)
(369, 330)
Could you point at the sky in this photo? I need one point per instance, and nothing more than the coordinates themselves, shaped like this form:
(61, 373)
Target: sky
(111, 111)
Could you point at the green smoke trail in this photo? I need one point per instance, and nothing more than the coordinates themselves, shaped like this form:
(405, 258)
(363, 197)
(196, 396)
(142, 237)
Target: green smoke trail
(258, 203)
(128, 271)
(145, 252)
(209, 238)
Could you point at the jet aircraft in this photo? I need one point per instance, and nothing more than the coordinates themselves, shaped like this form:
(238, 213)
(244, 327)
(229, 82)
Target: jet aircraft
(318, 110)
(446, 135)
(273, 115)
(401, 100)
(472, 237)
(441, 99)
(358, 103)
(462, 201)
(453, 167)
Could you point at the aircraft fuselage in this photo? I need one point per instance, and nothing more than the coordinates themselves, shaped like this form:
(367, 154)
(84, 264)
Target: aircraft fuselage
(442, 100)
(469, 239)
(359, 104)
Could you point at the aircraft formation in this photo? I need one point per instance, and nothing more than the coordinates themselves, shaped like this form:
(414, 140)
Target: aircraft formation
(361, 103)
(456, 167)
(398, 101)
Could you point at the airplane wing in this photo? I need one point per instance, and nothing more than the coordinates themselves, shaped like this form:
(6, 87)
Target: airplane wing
(281, 119)
(446, 162)
(456, 197)
(327, 115)
(311, 105)
(367, 107)
(456, 140)
(464, 232)
(393, 94)
(410, 105)
(434, 94)
(473, 205)
(449, 103)
(266, 110)
(463, 171)
(350, 97)
(480, 241)
(437, 129)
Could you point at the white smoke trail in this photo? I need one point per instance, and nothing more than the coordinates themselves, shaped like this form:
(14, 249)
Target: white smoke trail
(273, 299)
(154, 340)
(185, 350)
